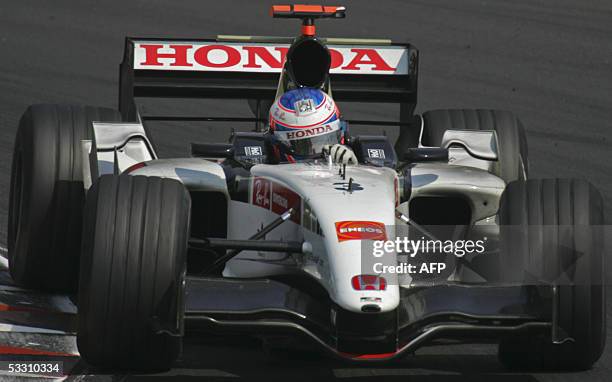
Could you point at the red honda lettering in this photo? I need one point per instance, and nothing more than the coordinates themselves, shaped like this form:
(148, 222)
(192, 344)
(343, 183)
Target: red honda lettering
(152, 54)
(368, 57)
(201, 56)
(336, 58)
(265, 55)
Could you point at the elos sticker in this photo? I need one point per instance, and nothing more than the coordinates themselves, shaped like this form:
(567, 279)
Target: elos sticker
(360, 230)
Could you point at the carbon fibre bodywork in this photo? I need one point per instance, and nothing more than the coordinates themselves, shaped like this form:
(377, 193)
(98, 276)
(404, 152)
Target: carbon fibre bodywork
(265, 307)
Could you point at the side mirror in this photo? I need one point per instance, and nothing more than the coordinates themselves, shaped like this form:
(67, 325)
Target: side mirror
(425, 154)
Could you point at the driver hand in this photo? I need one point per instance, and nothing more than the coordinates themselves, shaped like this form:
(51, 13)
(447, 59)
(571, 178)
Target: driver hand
(342, 154)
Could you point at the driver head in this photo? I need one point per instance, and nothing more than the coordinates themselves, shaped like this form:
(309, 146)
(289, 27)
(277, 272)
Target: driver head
(303, 121)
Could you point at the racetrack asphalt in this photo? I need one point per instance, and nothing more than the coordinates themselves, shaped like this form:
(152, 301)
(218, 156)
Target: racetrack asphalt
(549, 61)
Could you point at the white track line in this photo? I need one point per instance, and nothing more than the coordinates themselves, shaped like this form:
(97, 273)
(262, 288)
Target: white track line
(28, 329)
(10, 288)
(3, 259)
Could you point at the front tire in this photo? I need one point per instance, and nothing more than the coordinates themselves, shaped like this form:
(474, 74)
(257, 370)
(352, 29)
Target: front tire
(47, 194)
(551, 234)
(132, 273)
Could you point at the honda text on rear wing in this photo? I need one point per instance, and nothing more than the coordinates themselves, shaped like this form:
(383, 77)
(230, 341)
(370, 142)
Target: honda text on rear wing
(257, 68)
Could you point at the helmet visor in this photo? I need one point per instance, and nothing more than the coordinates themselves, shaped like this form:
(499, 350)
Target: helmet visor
(310, 141)
(313, 145)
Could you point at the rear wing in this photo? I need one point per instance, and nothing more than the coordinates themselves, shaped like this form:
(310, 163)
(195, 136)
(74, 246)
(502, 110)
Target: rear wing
(249, 67)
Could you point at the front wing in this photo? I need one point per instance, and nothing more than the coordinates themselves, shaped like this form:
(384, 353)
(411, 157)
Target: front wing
(266, 307)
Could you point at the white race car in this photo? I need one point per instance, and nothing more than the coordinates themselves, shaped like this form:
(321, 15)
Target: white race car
(230, 242)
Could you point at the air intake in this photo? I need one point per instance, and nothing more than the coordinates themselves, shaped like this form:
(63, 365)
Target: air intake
(308, 62)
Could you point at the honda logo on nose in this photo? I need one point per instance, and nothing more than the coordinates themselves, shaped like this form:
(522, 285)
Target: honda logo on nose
(369, 282)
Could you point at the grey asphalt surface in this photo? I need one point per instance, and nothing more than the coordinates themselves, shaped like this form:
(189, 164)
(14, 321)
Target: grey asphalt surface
(548, 61)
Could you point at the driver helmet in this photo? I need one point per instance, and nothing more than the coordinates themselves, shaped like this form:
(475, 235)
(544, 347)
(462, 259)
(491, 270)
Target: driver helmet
(303, 121)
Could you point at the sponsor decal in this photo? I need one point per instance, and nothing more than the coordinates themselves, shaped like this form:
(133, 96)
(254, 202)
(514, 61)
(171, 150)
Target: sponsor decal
(284, 198)
(360, 230)
(261, 192)
(276, 197)
(266, 58)
(254, 151)
(305, 133)
(369, 282)
(304, 106)
(370, 299)
(376, 153)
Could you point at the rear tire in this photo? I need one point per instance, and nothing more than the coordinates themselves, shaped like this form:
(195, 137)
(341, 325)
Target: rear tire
(47, 194)
(132, 273)
(512, 142)
(551, 233)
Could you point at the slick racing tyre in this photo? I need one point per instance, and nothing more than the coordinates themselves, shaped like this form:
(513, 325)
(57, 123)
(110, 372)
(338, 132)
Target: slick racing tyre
(552, 235)
(47, 194)
(511, 139)
(132, 275)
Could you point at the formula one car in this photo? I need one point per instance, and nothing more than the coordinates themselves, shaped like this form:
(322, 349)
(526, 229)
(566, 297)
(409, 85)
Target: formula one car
(231, 242)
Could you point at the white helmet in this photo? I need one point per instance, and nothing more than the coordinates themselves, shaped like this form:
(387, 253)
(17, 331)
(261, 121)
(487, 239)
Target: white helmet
(304, 121)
